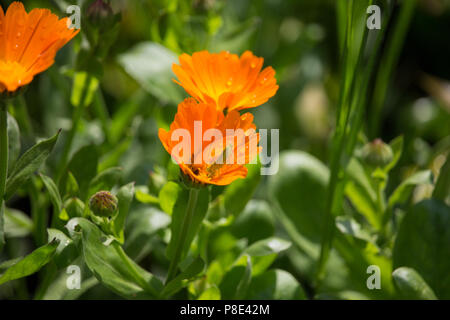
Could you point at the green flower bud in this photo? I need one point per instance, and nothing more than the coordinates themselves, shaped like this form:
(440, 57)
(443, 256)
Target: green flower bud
(99, 12)
(377, 153)
(103, 204)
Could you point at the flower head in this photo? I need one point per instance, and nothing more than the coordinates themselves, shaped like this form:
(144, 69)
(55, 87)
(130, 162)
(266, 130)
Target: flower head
(103, 204)
(28, 44)
(226, 80)
(210, 147)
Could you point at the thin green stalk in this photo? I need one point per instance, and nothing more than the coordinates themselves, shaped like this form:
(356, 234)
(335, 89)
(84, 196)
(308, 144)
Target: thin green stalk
(190, 210)
(389, 61)
(3, 149)
(76, 117)
(132, 268)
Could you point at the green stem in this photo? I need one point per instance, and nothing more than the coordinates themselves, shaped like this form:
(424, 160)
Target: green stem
(3, 149)
(132, 268)
(190, 210)
(76, 117)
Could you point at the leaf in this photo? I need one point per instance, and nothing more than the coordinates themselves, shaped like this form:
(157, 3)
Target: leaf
(2, 226)
(212, 293)
(105, 180)
(83, 166)
(13, 140)
(239, 193)
(299, 190)
(442, 189)
(397, 149)
(264, 252)
(17, 224)
(236, 281)
(178, 219)
(411, 285)
(423, 243)
(111, 268)
(53, 191)
(180, 281)
(28, 163)
(125, 196)
(275, 285)
(66, 252)
(150, 64)
(169, 195)
(143, 196)
(401, 194)
(361, 193)
(141, 227)
(256, 213)
(84, 87)
(31, 263)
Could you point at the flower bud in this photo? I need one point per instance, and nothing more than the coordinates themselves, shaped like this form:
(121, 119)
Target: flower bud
(99, 12)
(377, 153)
(103, 204)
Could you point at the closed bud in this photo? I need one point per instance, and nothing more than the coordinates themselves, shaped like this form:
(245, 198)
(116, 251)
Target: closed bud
(103, 204)
(99, 12)
(377, 153)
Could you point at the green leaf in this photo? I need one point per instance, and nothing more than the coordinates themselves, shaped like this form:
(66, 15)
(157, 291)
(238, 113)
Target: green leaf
(66, 252)
(53, 191)
(169, 195)
(28, 163)
(2, 226)
(178, 215)
(105, 180)
(299, 190)
(125, 196)
(236, 281)
(212, 293)
(141, 227)
(13, 140)
(84, 87)
(403, 191)
(31, 263)
(239, 193)
(411, 285)
(143, 196)
(442, 189)
(150, 64)
(17, 223)
(264, 252)
(83, 166)
(361, 193)
(423, 243)
(115, 271)
(275, 285)
(397, 149)
(256, 213)
(180, 281)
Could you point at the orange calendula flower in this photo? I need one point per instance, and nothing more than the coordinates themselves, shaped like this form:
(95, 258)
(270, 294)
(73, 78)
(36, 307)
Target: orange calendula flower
(210, 147)
(226, 80)
(28, 43)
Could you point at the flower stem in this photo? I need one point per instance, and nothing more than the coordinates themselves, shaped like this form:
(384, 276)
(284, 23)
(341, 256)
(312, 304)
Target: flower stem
(190, 210)
(3, 150)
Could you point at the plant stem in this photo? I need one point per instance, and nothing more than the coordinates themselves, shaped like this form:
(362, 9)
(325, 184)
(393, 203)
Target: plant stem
(137, 276)
(190, 210)
(77, 114)
(3, 149)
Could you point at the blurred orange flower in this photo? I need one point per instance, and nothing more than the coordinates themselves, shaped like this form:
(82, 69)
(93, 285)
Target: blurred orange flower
(214, 147)
(226, 80)
(28, 43)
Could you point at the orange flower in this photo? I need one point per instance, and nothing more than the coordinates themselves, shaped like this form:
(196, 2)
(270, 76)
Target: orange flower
(209, 147)
(28, 43)
(225, 80)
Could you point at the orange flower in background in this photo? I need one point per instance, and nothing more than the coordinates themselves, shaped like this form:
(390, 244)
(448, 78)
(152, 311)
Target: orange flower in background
(28, 43)
(226, 80)
(217, 152)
